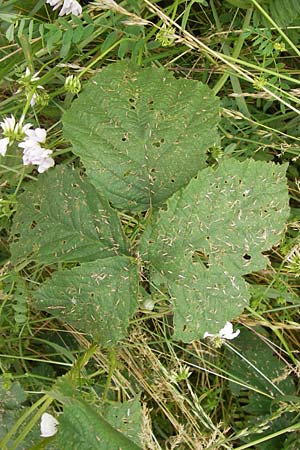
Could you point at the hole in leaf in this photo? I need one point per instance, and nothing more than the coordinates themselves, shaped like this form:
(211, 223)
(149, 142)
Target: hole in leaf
(246, 257)
(200, 256)
(172, 180)
(75, 185)
(156, 144)
(33, 224)
(37, 207)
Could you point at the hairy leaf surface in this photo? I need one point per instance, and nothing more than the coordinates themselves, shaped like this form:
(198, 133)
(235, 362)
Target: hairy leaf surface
(82, 428)
(141, 134)
(213, 232)
(98, 297)
(61, 217)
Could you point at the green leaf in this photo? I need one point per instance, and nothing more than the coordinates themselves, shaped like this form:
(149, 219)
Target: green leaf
(12, 396)
(267, 372)
(82, 428)
(98, 297)
(211, 234)
(125, 417)
(62, 218)
(141, 134)
(263, 371)
(285, 12)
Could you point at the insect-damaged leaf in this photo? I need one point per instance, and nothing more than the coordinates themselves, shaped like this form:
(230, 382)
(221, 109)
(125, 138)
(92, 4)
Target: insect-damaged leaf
(82, 428)
(62, 218)
(211, 234)
(141, 134)
(98, 297)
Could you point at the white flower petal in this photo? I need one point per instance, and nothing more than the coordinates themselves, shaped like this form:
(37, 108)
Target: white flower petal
(48, 425)
(227, 331)
(45, 164)
(207, 334)
(54, 3)
(36, 135)
(71, 7)
(3, 146)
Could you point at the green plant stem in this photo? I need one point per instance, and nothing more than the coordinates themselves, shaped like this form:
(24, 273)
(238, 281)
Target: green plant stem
(194, 43)
(112, 366)
(3, 443)
(32, 422)
(237, 47)
(270, 436)
(87, 68)
(274, 24)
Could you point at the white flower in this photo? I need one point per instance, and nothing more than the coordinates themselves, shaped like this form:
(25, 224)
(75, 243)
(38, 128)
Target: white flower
(3, 146)
(37, 135)
(8, 125)
(38, 156)
(72, 84)
(12, 131)
(48, 425)
(227, 331)
(27, 81)
(33, 152)
(224, 333)
(68, 7)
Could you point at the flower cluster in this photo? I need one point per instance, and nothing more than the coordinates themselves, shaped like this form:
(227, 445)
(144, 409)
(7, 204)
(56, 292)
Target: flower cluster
(72, 84)
(293, 261)
(36, 92)
(33, 152)
(224, 333)
(68, 7)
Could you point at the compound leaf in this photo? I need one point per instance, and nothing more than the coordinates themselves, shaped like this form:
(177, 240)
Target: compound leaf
(98, 297)
(211, 234)
(61, 217)
(141, 134)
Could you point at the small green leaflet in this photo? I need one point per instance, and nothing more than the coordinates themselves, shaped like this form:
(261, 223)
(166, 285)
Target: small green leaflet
(61, 217)
(211, 234)
(141, 134)
(98, 297)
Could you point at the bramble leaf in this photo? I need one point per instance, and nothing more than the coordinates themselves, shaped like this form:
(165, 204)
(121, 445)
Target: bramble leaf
(61, 217)
(98, 297)
(82, 428)
(141, 134)
(211, 234)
